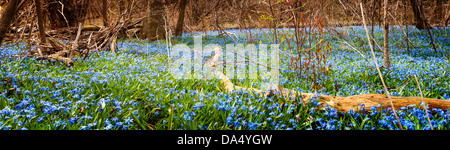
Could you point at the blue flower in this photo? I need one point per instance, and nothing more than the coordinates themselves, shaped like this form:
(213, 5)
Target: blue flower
(447, 97)
(115, 119)
(84, 128)
(26, 92)
(237, 123)
(198, 105)
(312, 110)
(290, 111)
(373, 108)
(229, 120)
(272, 113)
(73, 120)
(255, 111)
(291, 120)
(129, 120)
(40, 119)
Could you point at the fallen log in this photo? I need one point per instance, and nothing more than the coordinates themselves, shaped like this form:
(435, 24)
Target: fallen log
(342, 104)
(61, 56)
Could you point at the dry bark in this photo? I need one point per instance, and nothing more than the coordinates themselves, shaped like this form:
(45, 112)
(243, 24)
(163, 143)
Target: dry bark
(439, 14)
(67, 13)
(40, 21)
(105, 13)
(417, 8)
(7, 17)
(387, 61)
(181, 11)
(153, 25)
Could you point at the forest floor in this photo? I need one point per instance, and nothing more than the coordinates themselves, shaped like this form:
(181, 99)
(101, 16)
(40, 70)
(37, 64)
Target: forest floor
(134, 89)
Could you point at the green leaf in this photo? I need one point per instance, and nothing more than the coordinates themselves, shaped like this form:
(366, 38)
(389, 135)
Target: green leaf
(139, 122)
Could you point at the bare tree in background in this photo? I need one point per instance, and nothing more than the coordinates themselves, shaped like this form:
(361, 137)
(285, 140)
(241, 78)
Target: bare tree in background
(66, 13)
(374, 10)
(7, 17)
(387, 62)
(417, 8)
(40, 20)
(181, 11)
(153, 24)
(105, 13)
(439, 10)
(196, 11)
(405, 22)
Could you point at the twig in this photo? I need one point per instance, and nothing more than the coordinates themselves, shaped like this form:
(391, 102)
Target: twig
(89, 42)
(423, 103)
(342, 4)
(75, 44)
(167, 33)
(39, 51)
(113, 44)
(378, 68)
(62, 13)
(345, 42)
(171, 118)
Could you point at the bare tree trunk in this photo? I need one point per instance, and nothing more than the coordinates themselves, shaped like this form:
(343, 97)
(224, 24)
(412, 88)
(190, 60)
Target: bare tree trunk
(66, 13)
(420, 22)
(373, 20)
(274, 23)
(40, 21)
(7, 17)
(439, 11)
(379, 13)
(428, 29)
(181, 11)
(153, 24)
(105, 13)
(387, 62)
(406, 25)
